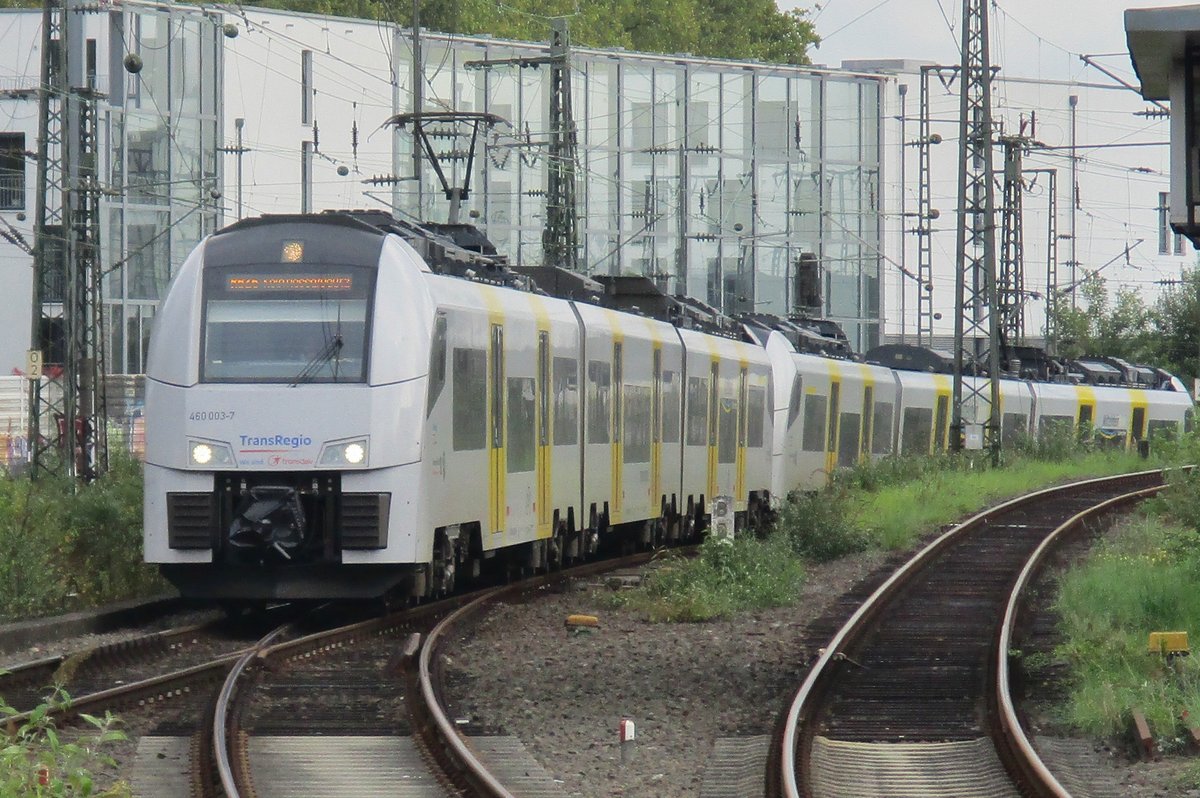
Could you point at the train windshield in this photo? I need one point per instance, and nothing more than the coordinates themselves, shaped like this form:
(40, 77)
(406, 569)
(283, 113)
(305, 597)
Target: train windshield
(267, 324)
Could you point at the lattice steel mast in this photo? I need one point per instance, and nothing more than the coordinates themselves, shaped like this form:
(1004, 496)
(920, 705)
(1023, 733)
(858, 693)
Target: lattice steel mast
(976, 324)
(560, 238)
(1012, 243)
(67, 428)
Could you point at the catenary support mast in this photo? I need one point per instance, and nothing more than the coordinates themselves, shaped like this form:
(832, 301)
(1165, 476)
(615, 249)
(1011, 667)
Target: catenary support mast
(976, 325)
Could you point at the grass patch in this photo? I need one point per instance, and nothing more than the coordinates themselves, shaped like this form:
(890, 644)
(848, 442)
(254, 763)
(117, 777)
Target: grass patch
(889, 504)
(1142, 581)
(65, 549)
(729, 576)
(896, 514)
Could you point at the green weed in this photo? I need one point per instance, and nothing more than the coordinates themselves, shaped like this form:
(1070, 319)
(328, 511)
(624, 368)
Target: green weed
(729, 576)
(36, 759)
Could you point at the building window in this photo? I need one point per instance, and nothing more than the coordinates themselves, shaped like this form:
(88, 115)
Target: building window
(12, 171)
(306, 86)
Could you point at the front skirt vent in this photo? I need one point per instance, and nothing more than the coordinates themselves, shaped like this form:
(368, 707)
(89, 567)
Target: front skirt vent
(191, 520)
(364, 520)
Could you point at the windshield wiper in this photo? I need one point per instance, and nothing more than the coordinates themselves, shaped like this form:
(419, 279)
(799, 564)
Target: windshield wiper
(332, 351)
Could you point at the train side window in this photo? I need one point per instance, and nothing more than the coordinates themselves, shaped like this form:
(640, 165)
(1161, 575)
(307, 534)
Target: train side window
(599, 403)
(1013, 426)
(943, 417)
(881, 439)
(1189, 420)
(637, 424)
(618, 395)
(1085, 414)
(815, 407)
(437, 365)
(714, 404)
(566, 401)
(848, 443)
(522, 415)
(918, 427)
(727, 418)
(697, 411)
(670, 411)
(497, 382)
(1163, 430)
(543, 389)
(835, 395)
(656, 399)
(470, 399)
(868, 420)
(1047, 424)
(757, 410)
(796, 400)
(742, 401)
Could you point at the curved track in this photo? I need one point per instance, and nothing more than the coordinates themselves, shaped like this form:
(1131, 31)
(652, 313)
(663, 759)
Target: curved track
(898, 704)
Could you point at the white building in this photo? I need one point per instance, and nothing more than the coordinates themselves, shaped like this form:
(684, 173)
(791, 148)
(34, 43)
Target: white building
(720, 179)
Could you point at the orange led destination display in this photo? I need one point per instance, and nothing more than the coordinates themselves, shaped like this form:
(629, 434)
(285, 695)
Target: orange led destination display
(285, 282)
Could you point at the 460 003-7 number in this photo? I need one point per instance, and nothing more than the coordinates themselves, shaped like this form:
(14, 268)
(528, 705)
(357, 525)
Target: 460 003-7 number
(211, 415)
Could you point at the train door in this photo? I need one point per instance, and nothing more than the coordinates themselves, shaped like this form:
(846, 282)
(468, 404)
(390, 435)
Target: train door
(497, 467)
(714, 409)
(739, 480)
(617, 501)
(868, 423)
(543, 436)
(656, 398)
(833, 429)
(940, 423)
(1138, 419)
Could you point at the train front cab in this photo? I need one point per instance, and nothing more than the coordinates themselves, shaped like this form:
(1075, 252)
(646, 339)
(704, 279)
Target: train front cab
(277, 462)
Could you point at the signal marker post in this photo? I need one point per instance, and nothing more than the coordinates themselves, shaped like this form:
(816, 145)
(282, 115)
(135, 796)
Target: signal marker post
(626, 736)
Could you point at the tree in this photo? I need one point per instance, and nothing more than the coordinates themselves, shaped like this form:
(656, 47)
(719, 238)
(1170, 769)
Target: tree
(1117, 325)
(1177, 317)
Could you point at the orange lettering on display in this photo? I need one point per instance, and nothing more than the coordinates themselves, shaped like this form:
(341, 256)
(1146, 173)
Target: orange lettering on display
(289, 283)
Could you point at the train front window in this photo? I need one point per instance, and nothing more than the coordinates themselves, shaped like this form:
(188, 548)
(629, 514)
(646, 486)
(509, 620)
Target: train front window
(267, 324)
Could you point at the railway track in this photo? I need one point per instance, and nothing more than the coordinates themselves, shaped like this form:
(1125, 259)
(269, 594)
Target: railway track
(910, 696)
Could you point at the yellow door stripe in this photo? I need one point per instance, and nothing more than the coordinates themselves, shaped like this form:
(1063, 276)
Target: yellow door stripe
(866, 427)
(544, 450)
(497, 455)
(1138, 400)
(944, 386)
(616, 501)
(834, 420)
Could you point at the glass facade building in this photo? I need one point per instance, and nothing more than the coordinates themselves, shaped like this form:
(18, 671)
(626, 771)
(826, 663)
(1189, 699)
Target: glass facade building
(753, 187)
(160, 143)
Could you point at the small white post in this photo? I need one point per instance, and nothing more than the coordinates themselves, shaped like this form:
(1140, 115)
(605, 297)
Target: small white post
(626, 734)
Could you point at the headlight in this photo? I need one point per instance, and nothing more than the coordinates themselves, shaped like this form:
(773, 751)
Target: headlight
(352, 453)
(209, 454)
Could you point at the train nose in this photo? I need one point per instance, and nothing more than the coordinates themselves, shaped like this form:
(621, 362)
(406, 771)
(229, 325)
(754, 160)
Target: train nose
(269, 519)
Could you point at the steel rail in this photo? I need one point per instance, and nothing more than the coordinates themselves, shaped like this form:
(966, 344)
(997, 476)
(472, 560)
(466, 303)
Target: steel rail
(855, 626)
(1021, 753)
(225, 700)
(481, 779)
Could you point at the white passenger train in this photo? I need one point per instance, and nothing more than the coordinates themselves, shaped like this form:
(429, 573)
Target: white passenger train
(328, 416)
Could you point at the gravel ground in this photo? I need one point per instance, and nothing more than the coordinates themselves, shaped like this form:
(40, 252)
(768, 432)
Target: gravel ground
(684, 685)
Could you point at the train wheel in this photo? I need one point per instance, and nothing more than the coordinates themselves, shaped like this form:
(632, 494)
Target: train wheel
(557, 548)
(444, 566)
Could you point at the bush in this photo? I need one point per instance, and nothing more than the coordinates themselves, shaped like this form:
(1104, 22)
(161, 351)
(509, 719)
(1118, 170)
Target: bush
(818, 526)
(65, 546)
(36, 761)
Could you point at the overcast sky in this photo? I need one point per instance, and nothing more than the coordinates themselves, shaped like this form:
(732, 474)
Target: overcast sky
(1030, 38)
